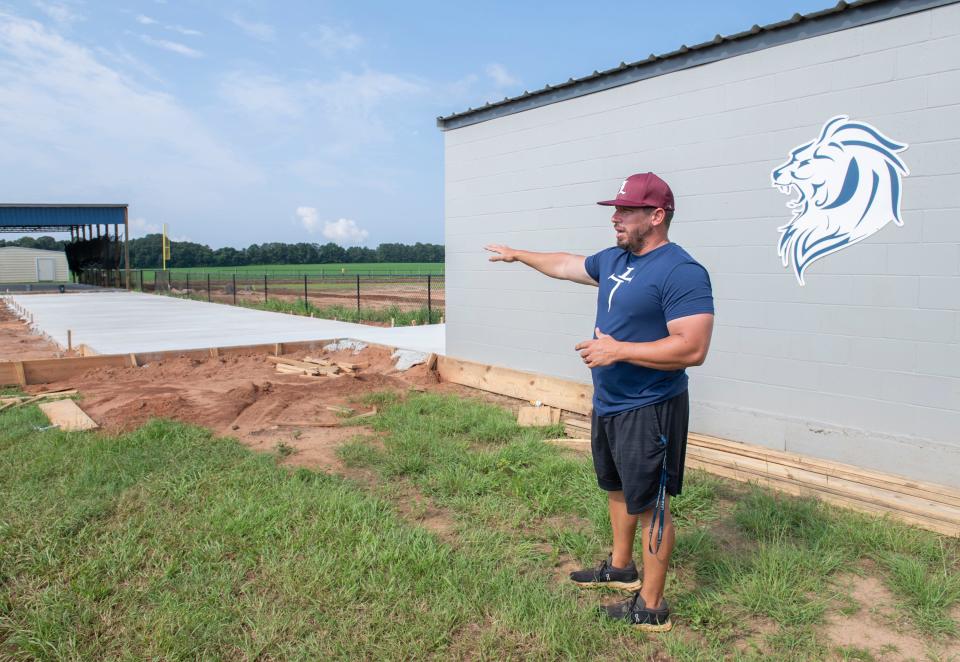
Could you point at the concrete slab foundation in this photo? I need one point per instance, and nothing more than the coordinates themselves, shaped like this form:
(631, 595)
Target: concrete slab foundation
(123, 322)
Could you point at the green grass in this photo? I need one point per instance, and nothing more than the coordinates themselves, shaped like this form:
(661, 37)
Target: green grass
(351, 314)
(169, 543)
(382, 315)
(250, 271)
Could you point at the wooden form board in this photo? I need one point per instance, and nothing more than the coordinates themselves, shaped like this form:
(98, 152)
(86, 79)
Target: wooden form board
(66, 415)
(560, 393)
(929, 506)
(45, 371)
(537, 416)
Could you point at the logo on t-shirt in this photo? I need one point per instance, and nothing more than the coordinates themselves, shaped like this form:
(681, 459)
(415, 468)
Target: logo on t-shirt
(619, 280)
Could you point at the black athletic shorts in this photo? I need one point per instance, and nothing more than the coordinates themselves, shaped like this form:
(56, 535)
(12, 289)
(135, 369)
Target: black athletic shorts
(628, 450)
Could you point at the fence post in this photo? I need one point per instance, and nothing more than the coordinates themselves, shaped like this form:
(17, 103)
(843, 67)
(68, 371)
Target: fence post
(234, 288)
(187, 288)
(155, 283)
(429, 301)
(208, 288)
(264, 288)
(358, 296)
(305, 291)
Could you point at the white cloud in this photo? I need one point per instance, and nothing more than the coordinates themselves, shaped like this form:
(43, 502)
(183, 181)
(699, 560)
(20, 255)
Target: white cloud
(308, 218)
(58, 11)
(500, 76)
(189, 32)
(172, 46)
(143, 19)
(68, 117)
(259, 94)
(140, 228)
(260, 31)
(331, 40)
(344, 231)
(336, 116)
(341, 231)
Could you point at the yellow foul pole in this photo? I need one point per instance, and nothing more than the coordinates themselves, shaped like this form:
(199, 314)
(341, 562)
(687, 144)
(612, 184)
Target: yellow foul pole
(164, 248)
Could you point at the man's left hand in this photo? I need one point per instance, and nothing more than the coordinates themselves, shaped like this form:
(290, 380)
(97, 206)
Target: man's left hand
(600, 352)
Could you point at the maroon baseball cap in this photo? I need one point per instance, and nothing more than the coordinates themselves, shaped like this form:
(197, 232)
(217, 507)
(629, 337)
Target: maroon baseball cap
(642, 190)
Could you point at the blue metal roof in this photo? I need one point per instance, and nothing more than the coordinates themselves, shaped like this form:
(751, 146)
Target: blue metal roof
(58, 218)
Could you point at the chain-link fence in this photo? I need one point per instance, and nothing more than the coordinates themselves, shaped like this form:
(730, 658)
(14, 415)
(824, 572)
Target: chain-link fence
(381, 299)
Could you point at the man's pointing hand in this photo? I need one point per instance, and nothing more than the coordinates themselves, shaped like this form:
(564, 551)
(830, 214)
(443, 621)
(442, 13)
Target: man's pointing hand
(503, 253)
(600, 352)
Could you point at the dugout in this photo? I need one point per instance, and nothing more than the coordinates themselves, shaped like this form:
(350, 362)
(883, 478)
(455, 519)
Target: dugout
(97, 254)
(852, 355)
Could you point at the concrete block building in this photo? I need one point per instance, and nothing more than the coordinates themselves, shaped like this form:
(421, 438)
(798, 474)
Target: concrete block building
(838, 319)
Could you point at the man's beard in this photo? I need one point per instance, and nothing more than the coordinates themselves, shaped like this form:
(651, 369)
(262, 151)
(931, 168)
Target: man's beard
(634, 244)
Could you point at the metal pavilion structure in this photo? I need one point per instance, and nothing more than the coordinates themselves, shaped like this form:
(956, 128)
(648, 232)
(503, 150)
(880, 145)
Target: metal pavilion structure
(92, 248)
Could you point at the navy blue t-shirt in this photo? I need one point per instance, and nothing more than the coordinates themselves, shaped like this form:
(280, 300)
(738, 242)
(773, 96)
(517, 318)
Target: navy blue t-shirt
(637, 296)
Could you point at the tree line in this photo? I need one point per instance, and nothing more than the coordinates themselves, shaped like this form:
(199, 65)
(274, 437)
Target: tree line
(145, 253)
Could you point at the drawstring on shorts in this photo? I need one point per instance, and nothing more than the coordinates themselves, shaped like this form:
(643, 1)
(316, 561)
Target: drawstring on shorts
(660, 508)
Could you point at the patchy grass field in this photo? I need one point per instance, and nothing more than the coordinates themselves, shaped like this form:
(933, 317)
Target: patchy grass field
(448, 535)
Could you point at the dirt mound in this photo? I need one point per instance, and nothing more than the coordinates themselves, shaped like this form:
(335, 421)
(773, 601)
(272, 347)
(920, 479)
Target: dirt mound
(243, 396)
(19, 343)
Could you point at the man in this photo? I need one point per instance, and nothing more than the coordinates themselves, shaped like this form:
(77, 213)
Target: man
(654, 319)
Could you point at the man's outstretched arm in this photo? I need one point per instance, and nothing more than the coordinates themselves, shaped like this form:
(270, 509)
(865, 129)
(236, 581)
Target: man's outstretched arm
(564, 266)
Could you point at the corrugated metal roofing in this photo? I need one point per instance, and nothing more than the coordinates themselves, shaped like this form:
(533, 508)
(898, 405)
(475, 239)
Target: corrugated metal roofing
(842, 16)
(57, 218)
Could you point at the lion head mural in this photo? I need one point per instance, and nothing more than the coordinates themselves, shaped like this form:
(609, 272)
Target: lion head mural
(847, 183)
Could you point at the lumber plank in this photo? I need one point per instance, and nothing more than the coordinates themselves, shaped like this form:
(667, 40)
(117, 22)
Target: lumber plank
(8, 375)
(531, 387)
(939, 493)
(796, 489)
(45, 371)
(21, 375)
(279, 360)
(66, 415)
(537, 416)
(888, 499)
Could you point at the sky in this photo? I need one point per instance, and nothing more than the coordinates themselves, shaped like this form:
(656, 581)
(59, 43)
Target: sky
(253, 121)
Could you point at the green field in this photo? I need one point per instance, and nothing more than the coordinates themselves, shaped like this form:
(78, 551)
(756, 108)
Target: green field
(444, 543)
(250, 271)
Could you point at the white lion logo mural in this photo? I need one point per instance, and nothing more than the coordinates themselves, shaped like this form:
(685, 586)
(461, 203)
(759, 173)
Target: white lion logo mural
(848, 185)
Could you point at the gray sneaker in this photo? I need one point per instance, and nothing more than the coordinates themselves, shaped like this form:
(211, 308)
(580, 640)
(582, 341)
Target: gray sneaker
(627, 579)
(634, 611)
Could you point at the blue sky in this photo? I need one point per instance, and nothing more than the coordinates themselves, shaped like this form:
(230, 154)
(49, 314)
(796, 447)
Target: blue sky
(246, 122)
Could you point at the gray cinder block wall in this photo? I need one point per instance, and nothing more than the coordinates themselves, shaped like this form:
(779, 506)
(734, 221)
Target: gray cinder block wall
(860, 365)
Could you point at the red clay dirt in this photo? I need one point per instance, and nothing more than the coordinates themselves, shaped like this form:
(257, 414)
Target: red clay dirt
(18, 342)
(243, 396)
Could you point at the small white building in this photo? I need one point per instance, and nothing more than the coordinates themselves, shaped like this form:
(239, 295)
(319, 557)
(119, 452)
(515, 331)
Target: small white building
(32, 265)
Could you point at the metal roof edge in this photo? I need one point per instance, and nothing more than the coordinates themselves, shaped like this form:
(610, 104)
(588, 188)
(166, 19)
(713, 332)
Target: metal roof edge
(843, 16)
(65, 205)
